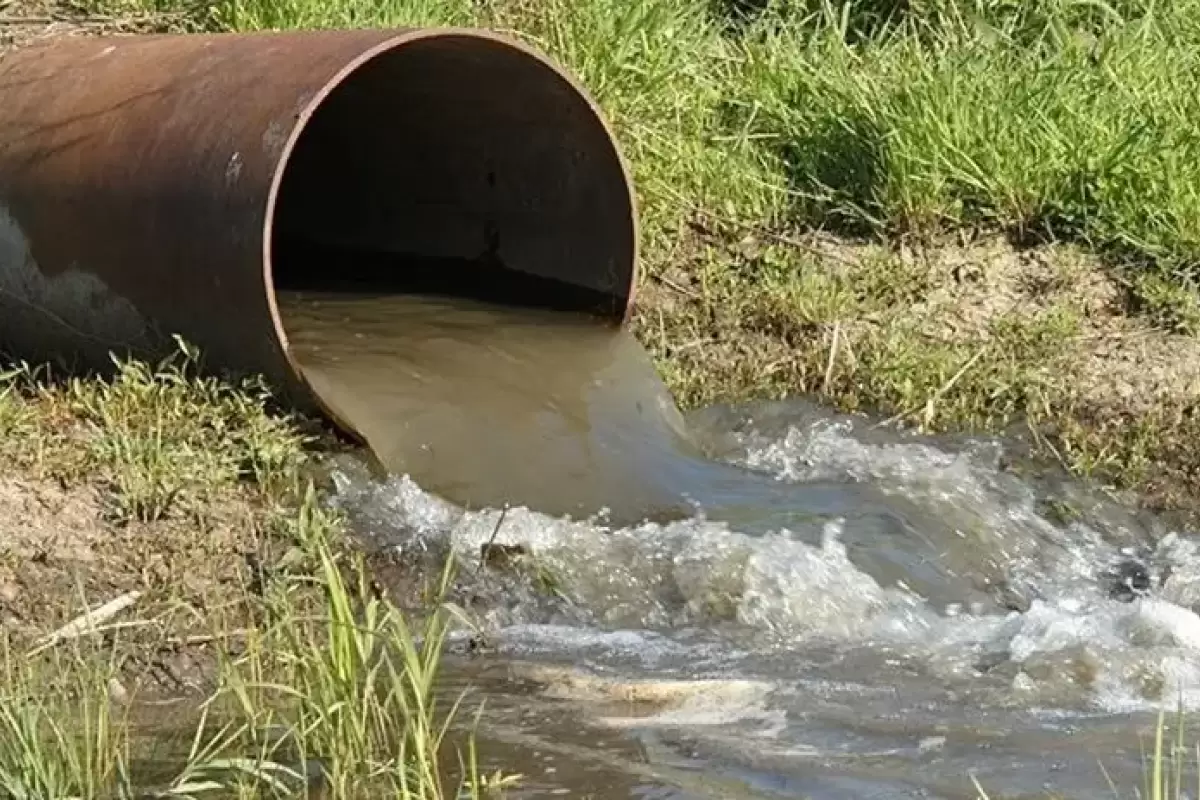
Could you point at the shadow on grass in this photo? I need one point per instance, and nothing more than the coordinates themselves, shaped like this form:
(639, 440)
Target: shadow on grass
(836, 171)
(834, 166)
(862, 20)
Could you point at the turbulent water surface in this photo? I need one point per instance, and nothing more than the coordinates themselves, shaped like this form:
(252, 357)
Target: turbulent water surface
(766, 601)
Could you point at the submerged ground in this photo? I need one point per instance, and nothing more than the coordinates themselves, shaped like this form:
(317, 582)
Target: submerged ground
(964, 216)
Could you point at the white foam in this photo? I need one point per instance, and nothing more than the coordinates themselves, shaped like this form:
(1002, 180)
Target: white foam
(630, 587)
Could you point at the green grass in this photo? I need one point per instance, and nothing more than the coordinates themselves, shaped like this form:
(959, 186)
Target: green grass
(58, 735)
(164, 439)
(347, 680)
(1080, 130)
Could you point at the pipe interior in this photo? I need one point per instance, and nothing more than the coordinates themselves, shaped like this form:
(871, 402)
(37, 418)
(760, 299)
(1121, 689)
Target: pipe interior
(457, 164)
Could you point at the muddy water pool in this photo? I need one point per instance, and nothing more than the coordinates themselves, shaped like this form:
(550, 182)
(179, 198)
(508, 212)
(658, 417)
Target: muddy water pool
(761, 601)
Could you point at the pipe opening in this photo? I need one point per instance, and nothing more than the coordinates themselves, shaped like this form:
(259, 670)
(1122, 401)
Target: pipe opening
(455, 163)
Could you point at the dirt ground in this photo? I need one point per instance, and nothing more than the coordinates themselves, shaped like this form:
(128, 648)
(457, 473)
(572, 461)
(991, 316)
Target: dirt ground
(180, 582)
(1121, 363)
(25, 21)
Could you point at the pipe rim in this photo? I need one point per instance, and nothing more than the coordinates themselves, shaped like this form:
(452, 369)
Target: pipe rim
(401, 39)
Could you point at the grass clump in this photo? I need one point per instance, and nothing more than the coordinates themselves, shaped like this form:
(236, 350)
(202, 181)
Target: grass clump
(59, 734)
(163, 438)
(1168, 304)
(354, 686)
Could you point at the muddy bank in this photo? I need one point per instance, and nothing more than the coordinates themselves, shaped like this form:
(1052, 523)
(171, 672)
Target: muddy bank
(1095, 368)
(163, 503)
(165, 591)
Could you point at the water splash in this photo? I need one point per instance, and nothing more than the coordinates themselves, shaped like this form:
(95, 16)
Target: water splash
(909, 607)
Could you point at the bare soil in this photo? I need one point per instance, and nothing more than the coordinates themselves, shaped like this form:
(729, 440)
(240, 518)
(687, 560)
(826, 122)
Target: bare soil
(60, 556)
(1120, 362)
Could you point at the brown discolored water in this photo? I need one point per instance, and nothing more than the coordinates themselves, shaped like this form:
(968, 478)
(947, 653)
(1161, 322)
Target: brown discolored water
(779, 601)
(488, 404)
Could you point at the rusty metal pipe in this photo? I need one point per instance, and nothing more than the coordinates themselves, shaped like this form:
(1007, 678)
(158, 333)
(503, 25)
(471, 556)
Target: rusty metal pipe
(167, 185)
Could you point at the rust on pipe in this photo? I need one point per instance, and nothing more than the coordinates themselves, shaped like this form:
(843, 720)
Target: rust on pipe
(168, 185)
